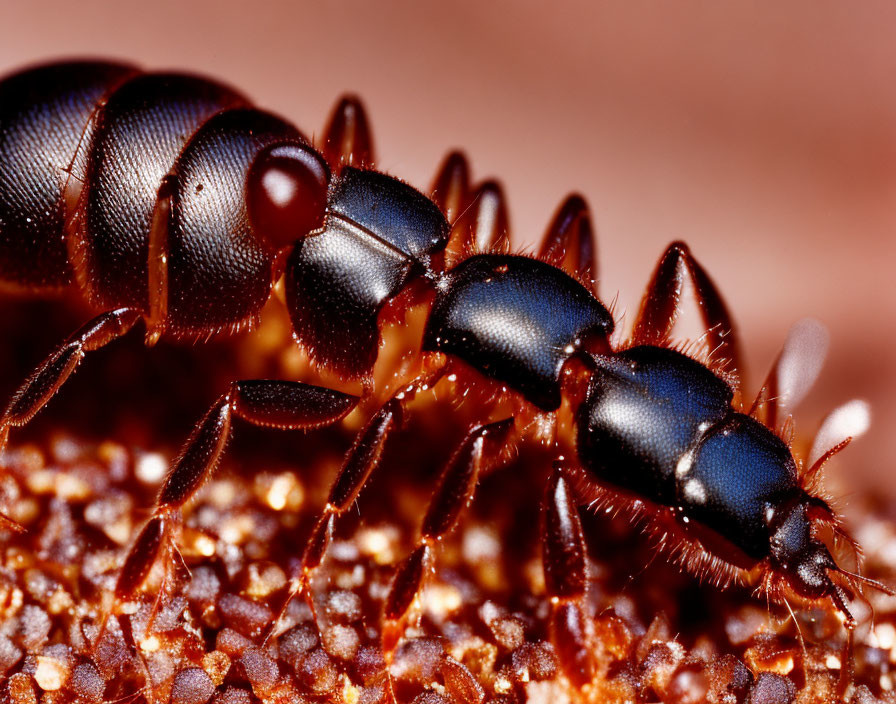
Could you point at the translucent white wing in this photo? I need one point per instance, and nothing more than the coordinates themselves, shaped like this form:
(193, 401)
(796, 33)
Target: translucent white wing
(800, 363)
(850, 420)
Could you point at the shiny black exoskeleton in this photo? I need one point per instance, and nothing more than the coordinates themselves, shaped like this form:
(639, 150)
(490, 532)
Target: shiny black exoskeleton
(379, 234)
(169, 199)
(659, 425)
(516, 320)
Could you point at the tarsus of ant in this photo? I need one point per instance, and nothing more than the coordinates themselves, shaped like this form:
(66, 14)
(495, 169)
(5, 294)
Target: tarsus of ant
(5, 521)
(838, 597)
(8, 523)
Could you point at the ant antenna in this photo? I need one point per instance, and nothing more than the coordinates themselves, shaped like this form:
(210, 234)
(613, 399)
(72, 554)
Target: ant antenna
(839, 596)
(862, 579)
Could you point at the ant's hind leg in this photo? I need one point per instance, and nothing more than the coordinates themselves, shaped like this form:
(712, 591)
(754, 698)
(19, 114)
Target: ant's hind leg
(287, 405)
(347, 138)
(659, 308)
(43, 384)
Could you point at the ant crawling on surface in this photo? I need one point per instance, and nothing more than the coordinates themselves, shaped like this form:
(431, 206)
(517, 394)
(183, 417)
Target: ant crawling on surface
(168, 199)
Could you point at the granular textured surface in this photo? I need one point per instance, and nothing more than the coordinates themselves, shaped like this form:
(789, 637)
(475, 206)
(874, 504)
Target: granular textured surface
(196, 631)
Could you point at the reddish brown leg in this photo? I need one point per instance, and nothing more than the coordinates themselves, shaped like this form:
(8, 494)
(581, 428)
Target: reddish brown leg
(451, 187)
(563, 558)
(483, 224)
(287, 405)
(43, 384)
(455, 490)
(569, 241)
(661, 301)
(360, 462)
(347, 139)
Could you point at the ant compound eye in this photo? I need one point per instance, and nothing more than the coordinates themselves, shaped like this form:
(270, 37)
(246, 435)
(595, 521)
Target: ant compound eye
(287, 192)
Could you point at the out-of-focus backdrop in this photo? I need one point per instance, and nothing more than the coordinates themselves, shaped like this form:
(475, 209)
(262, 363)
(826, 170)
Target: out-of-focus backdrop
(762, 134)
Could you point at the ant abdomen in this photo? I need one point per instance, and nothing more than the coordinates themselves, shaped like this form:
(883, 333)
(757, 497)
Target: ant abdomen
(45, 111)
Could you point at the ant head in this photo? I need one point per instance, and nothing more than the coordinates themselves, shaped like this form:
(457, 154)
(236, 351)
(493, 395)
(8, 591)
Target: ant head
(805, 563)
(796, 554)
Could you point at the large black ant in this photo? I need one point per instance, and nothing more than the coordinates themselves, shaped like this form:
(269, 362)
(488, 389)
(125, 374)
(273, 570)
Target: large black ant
(169, 199)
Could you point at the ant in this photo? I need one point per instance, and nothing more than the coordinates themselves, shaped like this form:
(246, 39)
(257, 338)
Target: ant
(168, 199)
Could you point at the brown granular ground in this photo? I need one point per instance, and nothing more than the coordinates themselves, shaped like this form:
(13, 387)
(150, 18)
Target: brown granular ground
(479, 631)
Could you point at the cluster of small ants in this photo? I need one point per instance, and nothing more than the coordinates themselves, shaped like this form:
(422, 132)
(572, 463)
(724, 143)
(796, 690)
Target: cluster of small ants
(168, 200)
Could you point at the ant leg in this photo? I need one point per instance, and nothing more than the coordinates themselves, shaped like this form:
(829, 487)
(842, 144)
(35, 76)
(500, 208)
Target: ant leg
(287, 405)
(569, 241)
(360, 462)
(451, 187)
(455, 490)
(451, 192)
(563, 558)
(483, 226)
(847, 666)
(347, 140)
(43, 384)
(659, 308)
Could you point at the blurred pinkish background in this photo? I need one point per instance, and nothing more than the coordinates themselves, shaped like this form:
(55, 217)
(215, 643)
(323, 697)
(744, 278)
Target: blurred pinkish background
(763, 134)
